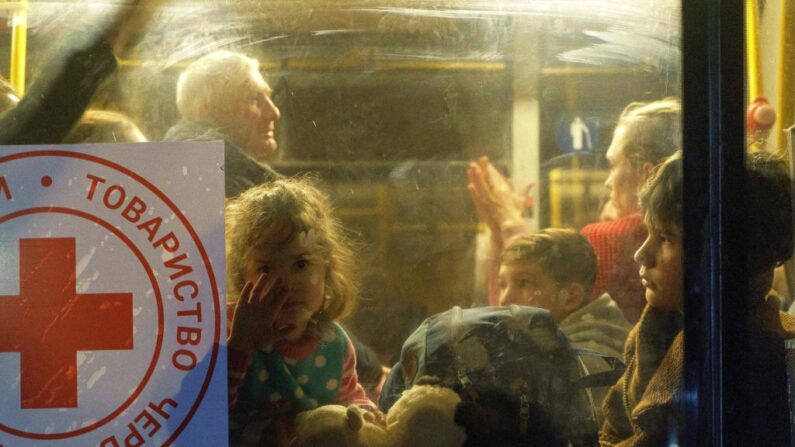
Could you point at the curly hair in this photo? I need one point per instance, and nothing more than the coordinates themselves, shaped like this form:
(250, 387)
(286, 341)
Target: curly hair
(279, 211)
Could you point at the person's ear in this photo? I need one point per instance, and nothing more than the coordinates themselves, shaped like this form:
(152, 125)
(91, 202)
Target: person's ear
(573, 296)
(646, 169)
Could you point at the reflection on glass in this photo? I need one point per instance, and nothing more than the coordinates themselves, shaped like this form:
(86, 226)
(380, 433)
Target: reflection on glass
(455, 142)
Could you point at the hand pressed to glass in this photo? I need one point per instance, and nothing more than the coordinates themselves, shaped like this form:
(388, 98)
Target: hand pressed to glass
(493, 196)
(256, 313)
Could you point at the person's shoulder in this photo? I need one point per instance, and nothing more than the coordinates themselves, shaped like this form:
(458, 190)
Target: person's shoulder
(600, 325)
(338, 331)
(788, 324)
(331, 333)
(268, 173)
(780, 324)
(624, 225)
(186, 130)
(605, 308)
(240, 163)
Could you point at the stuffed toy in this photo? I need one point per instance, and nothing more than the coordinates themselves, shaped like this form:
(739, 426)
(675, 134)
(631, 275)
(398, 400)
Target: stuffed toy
(423, 416)
(338, 426)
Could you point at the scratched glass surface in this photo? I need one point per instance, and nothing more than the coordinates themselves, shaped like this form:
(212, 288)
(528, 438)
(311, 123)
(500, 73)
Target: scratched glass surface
(387, 103)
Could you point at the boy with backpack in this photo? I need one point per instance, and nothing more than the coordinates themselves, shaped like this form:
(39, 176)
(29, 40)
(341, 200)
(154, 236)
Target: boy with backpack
(527, 375)
(555, 269)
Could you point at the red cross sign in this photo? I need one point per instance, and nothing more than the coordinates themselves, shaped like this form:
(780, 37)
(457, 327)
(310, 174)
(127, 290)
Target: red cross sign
(111, 296)
(55, 322)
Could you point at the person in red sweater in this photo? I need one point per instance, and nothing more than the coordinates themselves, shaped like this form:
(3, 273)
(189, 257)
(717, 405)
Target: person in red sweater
(645, 135)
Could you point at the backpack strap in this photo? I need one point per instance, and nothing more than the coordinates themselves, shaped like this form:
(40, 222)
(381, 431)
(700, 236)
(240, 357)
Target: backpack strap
(603, 378)
(524, 411)
(456, 317)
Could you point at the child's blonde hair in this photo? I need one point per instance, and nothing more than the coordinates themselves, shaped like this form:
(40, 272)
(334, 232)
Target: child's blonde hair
(275, 213)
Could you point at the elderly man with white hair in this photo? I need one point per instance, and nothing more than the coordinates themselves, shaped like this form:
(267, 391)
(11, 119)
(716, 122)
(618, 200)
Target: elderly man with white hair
(223, 96)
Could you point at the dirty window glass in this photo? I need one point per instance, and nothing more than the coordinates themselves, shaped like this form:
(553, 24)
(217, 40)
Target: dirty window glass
(492, 165)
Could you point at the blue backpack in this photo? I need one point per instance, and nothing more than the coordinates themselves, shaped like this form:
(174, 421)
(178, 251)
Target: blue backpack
(517, 351)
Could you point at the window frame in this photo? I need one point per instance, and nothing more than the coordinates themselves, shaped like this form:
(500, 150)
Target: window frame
(715, 398)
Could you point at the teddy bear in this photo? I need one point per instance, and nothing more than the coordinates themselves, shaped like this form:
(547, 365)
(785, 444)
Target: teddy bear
(338, 426)
(423, 416)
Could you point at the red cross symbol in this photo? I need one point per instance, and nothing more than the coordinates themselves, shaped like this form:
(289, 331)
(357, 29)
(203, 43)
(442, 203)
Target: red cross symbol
(49, 322)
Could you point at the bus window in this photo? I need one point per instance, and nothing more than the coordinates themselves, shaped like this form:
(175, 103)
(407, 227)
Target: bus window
(478, 155)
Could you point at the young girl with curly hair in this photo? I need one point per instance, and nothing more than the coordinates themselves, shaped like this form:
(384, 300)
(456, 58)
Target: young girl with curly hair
(291, 267)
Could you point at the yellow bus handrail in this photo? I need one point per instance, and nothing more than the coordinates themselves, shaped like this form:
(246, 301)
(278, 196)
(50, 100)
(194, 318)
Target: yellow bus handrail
(19, 46)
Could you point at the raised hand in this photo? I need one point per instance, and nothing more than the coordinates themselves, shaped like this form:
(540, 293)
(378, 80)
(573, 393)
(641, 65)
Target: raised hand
(254, 324)
(493, 196)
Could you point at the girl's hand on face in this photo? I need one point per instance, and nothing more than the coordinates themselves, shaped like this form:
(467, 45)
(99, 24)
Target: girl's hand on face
(256, 314)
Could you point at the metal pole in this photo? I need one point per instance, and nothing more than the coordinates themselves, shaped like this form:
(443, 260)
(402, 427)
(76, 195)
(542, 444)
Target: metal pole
(19, 46)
